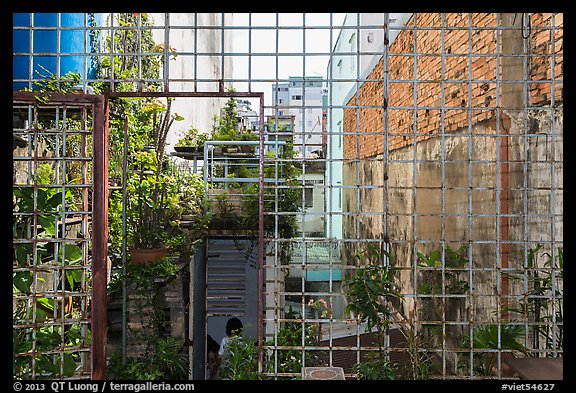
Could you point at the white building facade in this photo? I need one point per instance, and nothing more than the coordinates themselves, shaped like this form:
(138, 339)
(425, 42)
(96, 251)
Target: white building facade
(188, 73)
(357, 50)
(302, 98)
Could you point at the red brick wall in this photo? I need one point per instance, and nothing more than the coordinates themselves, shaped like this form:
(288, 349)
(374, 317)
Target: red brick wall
(369, 122)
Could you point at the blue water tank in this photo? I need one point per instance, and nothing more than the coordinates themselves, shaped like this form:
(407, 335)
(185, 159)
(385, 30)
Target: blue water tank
(37, 42)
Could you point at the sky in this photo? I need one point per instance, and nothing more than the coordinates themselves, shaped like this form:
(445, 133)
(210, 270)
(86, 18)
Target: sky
(277, 53)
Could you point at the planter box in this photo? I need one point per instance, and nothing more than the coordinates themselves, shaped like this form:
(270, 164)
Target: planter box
(186, 149)
(247, 149)
(143, 256)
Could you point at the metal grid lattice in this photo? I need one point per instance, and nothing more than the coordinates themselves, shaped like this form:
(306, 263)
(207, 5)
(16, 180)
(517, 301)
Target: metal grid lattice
(437, 139)
(59, 266)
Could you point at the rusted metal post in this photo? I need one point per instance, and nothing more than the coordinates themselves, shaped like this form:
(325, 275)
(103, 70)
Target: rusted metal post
(99, 238)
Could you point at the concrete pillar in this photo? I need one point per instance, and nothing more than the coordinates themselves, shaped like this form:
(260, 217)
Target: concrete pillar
(512, 67)
(512, 104)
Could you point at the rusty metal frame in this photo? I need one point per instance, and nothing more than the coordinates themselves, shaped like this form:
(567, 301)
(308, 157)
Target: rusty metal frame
(99, 215)
(229, 94)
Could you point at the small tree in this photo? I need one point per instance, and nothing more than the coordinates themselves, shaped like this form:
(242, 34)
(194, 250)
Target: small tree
(370, 289)
(369, 292)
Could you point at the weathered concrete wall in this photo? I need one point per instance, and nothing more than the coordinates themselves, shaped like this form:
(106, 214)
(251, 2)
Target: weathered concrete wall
(489, 179)
(456, 197)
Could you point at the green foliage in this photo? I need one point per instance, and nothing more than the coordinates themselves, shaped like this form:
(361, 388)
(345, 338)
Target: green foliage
(285, 199)
(169, 359)
(456, 259)
(40, 212)
(165, 362)
(128, 67)
(487, 337)
(191, 137)
(431, 260)
(292, 335)
(376, 367)
(49, 206)
(162, 357)
(153, 208)
(370, 290)
(225, 127)
(420, 362)
(137, 369)
(543, 299)
(48, 338)
(52, 83)
(248, 136)
(240, 359)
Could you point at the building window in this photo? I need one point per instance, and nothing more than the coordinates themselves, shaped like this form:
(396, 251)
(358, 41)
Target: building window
(308, 197)
(297, 97)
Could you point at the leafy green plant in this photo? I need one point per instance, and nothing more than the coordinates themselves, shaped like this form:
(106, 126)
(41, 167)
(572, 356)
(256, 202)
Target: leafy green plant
(126, 66)
(169, 358)
(38, 215)
(543, 300)
(240, 359)
(505, 337)
(320, 307)
(47, 338)
(153, 208)
(291, 334)
(49, 201)
(370, 290)
(192, 138)
(456, 259)
(226, 214)
(248, 136)
(194, 206)
(225, 126)
(162, 357)
(136, 369)
(52, 83)
(421, 362)
(375, 367)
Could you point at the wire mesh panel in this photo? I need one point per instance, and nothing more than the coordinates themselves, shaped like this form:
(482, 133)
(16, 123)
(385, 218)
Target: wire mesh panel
(59, 237)
(442, 240)
(410, 197)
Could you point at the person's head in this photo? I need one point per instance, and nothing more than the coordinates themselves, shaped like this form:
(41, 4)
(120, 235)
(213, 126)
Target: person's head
(233, 326)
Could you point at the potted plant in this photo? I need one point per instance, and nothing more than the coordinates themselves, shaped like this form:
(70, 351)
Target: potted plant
(248, 136)
(192, 141)
(153, 208)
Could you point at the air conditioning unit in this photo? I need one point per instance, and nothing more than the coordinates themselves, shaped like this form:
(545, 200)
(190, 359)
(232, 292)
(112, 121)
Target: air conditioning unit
(321, 373)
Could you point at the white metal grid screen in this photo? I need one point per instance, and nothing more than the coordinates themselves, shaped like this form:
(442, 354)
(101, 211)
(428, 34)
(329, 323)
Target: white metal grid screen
(430, 143)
